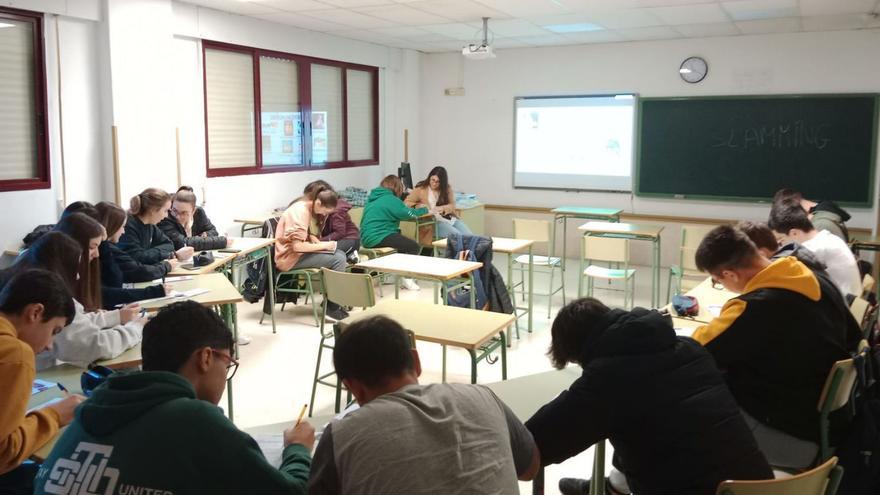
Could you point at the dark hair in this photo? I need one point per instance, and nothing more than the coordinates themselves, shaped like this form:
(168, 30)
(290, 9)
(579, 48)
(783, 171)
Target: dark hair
(79, 207)
(760, 234)
(788, 215)
(111, 216)
(723, 248)
(787, 195)
(393, 184)
(186, 195)
(171, 337)
(53, 251)
(311, 187)
(443, 194)
(574, 325)
(36, 286)
(372, 351)
(148, 200)
(82, 229)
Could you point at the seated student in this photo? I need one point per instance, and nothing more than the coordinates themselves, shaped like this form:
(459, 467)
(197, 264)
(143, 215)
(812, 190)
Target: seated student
(143, 240)
(297, 244)
(824, 214)
(775, 343)
(437, 195)
(338, 226)
(648, 392)
(790, 223)
(34, 306)
(188, 225)
(380, 225)
(411, 438)
(90, 336)
(118, 267)
(160, 431)
(76, 206)
(89, 233)
(769, 247)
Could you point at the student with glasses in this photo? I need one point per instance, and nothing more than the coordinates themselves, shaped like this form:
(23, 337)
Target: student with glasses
(160, 428)
(187, 224)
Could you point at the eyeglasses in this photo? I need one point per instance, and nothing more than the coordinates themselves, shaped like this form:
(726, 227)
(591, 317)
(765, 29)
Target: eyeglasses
(715, 283)
(232, 367)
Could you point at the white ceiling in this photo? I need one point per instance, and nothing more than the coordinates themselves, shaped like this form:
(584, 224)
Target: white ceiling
(447, 25)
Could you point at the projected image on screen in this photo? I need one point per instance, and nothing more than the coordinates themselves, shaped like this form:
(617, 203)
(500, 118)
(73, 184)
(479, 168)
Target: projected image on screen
(581, 142)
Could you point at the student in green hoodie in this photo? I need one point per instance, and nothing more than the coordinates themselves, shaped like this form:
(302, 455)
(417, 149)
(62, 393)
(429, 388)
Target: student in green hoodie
(159, 432)
(380, 225)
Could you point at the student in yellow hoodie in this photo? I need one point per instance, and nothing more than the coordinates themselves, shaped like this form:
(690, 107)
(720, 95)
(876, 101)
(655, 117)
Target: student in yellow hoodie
(775, 342)
(34, 306)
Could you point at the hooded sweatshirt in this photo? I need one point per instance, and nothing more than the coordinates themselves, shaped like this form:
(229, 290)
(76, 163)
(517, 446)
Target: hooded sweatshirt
(382, 215)
(21, 434)
(828, 216)
(660, 401)
(777, 341)
(145, 433)
(339, 225)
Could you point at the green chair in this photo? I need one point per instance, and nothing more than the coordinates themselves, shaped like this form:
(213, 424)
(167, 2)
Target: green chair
(612, 251)
(346, 289)
(835, 394)
(303, 281)
(686, 275)
(357, 214)
(822, 480)
(539, 232)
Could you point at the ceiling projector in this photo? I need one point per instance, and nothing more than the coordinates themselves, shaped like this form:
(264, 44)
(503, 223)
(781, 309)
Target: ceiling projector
(478, 52)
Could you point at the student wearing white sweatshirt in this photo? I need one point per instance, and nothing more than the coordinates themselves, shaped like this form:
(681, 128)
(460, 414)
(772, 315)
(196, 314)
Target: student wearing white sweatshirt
(90, 336)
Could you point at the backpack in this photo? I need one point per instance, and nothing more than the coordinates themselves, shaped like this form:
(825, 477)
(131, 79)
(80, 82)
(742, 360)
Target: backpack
(859, 453)
(465, 248)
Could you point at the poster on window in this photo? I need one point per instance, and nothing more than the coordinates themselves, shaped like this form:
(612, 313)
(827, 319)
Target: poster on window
(319, 137)
(282, 138)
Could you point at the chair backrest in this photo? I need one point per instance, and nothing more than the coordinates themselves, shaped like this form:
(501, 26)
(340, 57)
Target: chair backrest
(859, 307)
(691, 236)
(348, 289)
(838, 386)
(535, 230)
(812, 482)
(867, 284)
(356, 214)
(606, 249)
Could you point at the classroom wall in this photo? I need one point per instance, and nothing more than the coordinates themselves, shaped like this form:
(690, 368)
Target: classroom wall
(472, 135)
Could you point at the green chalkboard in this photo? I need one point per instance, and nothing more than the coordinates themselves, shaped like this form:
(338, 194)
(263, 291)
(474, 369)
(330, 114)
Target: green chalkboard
(745, 148)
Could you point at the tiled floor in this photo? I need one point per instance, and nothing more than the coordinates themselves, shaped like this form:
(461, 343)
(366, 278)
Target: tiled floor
(275, 376)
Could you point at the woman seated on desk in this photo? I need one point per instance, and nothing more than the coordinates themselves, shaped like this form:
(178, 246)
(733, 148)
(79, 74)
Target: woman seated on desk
(143, 240)
(118, 267)
(380, 226)
(91, 336)
(188, 225)
(436, 193)
(297, 244)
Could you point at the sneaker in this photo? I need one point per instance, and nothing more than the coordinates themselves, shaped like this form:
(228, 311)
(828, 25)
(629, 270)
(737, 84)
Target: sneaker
(353, 258)
(409, 284)
(243, 340)
(336, 314)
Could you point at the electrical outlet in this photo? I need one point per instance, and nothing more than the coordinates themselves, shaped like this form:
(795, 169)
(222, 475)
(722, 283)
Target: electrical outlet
(454, 92)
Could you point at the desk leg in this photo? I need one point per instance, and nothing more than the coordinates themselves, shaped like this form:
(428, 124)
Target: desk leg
(597, 484)
(228, 311)
(655, 277)
(271, 287)
(532, 285)
(397, 287)
(473, 365)
(473, 292)
(443, 370)
(564, 244)
(438, 290)
(503, 357)
(512, 297)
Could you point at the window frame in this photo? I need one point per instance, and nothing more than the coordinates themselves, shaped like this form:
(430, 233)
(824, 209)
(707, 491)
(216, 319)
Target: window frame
(304, 75)
(41, 120)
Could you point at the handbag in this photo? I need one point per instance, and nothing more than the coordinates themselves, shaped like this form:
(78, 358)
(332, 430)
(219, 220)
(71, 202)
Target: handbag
(204, 258)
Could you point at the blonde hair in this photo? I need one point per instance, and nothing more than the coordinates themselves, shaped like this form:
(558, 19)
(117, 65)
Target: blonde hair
(148, 200)
(393, 184)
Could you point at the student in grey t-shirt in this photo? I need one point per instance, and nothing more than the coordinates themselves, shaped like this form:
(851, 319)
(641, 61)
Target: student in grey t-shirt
(408, 438)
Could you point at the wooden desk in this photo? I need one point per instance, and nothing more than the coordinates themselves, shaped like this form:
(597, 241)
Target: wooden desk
(707, 295)
(510, 247)
(439, 270)
(245, 245)
(255, 222)
(67, 375)
(563, 213)
(470, 329)
(638, 232)
(220, 259)
(128, 359)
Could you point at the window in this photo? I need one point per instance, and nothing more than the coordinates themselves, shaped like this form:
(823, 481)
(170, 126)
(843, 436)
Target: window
(23, 138)
(268, 111)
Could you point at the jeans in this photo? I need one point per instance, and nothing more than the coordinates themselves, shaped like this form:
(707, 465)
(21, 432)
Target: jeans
(456, 226)
(335, 262)
(780, 448)
(348, 245)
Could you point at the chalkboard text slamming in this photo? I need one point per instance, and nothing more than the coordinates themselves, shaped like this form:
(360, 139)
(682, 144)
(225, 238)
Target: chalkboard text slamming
(789, 135)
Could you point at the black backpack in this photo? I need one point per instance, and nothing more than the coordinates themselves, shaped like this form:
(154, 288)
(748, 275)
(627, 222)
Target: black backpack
(859, 453)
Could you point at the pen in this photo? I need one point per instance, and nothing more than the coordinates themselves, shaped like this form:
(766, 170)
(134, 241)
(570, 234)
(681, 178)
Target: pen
(301, 414)
(63, 389)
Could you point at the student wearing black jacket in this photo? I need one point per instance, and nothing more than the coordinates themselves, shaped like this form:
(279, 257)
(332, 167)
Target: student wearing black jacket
(188, 225)
(142, 239)
(118, 267)
(658, 398)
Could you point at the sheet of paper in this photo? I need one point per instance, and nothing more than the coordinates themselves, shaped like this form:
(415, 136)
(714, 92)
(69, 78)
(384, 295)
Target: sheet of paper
(41, 385)
(171, 280)
(714, 310)
(684, 332)
(272, 446)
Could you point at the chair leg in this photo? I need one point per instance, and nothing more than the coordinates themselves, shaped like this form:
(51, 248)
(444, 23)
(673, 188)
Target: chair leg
(314, 306)
(317, 371)
(550, 292)
(562, 285)
(669, 288)
(522, 279)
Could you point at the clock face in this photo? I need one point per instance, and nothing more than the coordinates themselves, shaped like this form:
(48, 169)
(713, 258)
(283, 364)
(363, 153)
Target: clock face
(693, 69)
